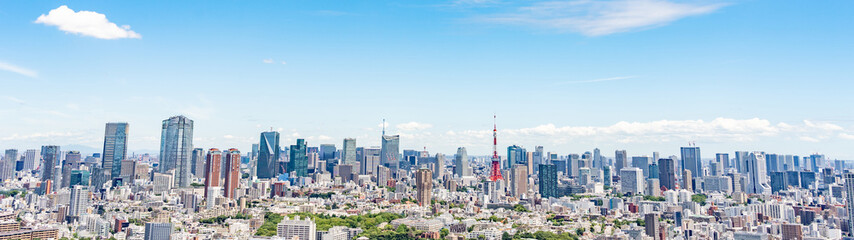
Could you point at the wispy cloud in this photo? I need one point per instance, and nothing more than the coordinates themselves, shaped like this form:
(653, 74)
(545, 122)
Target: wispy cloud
(14, 99)
(268, 60)
(413, 126)
(19, 70)
(86, 23)
(598, 80)
(597, 18)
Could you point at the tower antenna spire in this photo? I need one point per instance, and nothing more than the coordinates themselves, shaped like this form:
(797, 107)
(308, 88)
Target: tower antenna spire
(496, 165)
(383, 126)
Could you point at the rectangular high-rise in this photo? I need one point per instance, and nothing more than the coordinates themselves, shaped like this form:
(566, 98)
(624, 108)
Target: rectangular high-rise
(115, 150)
(298, 165)
(390, 151)
(756, 176)
(198, 163)
(642, 162)
(691, 161)
(424, 185)
(212, 170)
(176, 145)
(268, 155)
(849, 200)
(631, 181)
(516, 155)
(31, 159)
(461, 163)
(232, 172)
(620, 160)
(348, 156)
(7, 167)
(158, 231)
(50, 156)
(519, 180)
(548, 180)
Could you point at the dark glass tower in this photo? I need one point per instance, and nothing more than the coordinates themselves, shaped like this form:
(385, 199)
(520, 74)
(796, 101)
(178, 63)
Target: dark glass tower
(299, 161)
(115, 149)
(268, 155)
(548, 180)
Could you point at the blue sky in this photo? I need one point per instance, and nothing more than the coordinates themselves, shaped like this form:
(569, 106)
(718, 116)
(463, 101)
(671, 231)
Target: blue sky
(641, 75)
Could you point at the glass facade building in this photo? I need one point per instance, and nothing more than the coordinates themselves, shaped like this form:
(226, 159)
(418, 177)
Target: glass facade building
(268, 155)
(115, 149)
(176, 145)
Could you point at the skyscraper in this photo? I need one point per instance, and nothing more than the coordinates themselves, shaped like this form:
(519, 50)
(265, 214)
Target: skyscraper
(651, 226)
(349, 154)
(327, 152)
(232, 172)
(620, 160)
(461, 163)
(7, 167)
(741, 161)
(516, 155)
(176, 145)
(198, 163)
(268, 155)
(424, 184)
(691, 161)
(642, 163)
(79, 201)
(115, 150)
(687, 180)
(849, 200)
(519, 178)
(631, 181)
(212, 169)
(50, 156)
(548, 180)
(31, 159)
(755, 167)
(299, 161)
(723, 163)
(390, 152)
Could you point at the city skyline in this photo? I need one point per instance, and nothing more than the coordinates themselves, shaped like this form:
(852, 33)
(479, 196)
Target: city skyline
(723, 75)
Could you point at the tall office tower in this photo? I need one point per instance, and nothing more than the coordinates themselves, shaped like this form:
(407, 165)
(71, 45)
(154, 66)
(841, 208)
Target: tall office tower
(31, 159)
(755, 167)
(778, 181)
(198, 161)
(7, 167)
(597, 159)
(516, 155)
(79, 178)
(653, 170)
(849, 200)
(176, 145)
(369, 161)
(79, 201)
(424, 184)
(232, 172)
(572, 163)
(655, 156)
(771, 163)
(721, 184)
(642, 163)
(584, 177)
(653, 187)
(631, 181)
(621, 160)
(439, 166)
(538, 156)
(299, 161)
(212, 169)
(687, 180)
(606, 175)
(158, 231)
(807, 180)
(791, 165)
(390, 151)
(652, 226)
(115, 150)
(349, 154)
(268, 155)
(723, 162)
(327, 151)
(816, 162)
(691, 161)
(793, 179)
(741, 161)
(519, 178)
(461, 163)
(296, 229)
(548, 180)
(50, 155)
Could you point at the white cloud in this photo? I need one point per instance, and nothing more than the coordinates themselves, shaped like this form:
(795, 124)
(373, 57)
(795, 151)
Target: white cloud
(846, 136)
(413, 126)
(597, 18)
(85, 23)
(268, 60)
(808, 139)
(283, 62)
(19, 70)
(14, 99)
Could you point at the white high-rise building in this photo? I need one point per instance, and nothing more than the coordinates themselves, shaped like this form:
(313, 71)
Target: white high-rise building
(304, 229)
(31, 159)
(461, 163)
(79, 200)
(756, 176)
(631, 180)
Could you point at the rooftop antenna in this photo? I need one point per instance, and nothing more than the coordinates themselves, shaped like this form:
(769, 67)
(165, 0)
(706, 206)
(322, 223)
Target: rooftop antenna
(383, 126)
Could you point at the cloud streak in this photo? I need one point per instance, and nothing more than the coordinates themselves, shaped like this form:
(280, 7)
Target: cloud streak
(86, 23)
(19, 70)
(598, 18)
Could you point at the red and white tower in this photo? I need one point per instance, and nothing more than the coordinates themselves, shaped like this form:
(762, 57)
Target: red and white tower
(496, 165)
